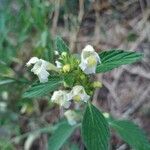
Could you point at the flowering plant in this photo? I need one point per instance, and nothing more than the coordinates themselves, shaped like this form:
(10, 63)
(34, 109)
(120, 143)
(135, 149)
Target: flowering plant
(72, 88)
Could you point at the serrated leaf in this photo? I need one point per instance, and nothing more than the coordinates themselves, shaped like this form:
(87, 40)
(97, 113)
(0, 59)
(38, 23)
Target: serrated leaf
(62, 133)
(95, 129)
(61, 46)
(131, 134)
(115, 58)
(40, 89)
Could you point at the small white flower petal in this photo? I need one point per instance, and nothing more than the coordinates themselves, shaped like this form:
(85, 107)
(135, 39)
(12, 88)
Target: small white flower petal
(97, 57)
(33, 60)
(83, 65)
(56, 52)
(61, 98)
(89, 48)
(37, 68)
(40, 68)
(77, 105)
(69, 96)
(67, 104)
(43, 76)
(78, 94)
(90, 70)
(71, 116)
(58, 64)
(85, 98)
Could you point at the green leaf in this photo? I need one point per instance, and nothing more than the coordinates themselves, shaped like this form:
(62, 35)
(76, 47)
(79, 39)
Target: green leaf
(40, 89)
(131, 134)
(69, 79)
(62, 133)
(61, 46)
(115, 58)
(95, 129)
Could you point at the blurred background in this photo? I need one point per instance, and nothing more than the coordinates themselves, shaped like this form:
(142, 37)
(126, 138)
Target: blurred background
(28, 28)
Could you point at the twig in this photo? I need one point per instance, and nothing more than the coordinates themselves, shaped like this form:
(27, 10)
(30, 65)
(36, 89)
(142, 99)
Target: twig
(97, 27)
(41, 130)
(142, 5)
(138, 71)
(56, 15)
(74, 33)
(111, 90)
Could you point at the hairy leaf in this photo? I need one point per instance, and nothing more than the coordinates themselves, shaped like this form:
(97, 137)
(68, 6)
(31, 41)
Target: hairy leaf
(41, 89)
(62, 133)
(69, 79)
(115, 58)
(61, 45)
(131, 134)
(95, 130)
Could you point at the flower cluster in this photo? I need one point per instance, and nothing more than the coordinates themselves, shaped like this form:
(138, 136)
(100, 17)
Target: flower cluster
(81, 88)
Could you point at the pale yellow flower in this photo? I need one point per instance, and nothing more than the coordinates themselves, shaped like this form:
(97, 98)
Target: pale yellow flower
(40, 68)
(66, 68)
(61, 98)
(78, 94)
(89, 60)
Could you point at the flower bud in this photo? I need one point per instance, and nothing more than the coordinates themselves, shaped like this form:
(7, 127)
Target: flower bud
(97, 84)
(82, 77)
(27, 109)
(63, 54)
(66, 68)
(106, 115)
(65, 84)
(91, 93)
